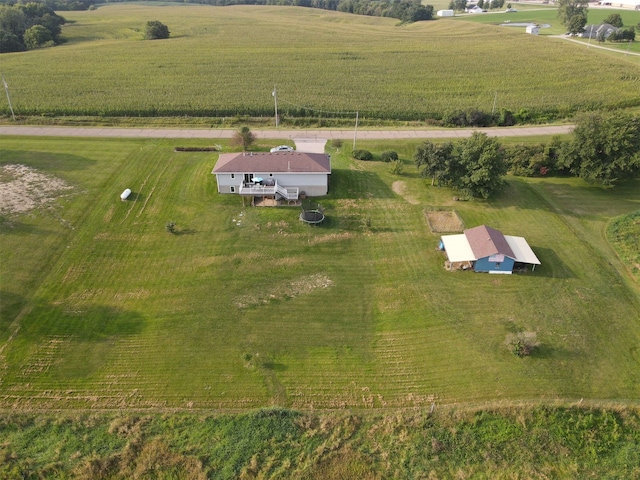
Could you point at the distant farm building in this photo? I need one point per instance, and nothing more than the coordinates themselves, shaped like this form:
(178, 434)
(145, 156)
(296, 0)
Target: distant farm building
(445, 13)
(277, 176)
(533, 29)
(485, 249)
(594, 31)
(635, 4)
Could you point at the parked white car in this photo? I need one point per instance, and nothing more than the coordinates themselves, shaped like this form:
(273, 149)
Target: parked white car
(282, 148)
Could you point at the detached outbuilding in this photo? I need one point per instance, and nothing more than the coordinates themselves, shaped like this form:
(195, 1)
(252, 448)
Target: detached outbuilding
(533, 29)
(445, 13)
(485, 249)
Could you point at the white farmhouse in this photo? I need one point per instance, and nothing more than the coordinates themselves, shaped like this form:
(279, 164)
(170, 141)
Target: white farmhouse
(278, 175)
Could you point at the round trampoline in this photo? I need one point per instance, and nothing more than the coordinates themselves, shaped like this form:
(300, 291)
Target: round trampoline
(312, 216)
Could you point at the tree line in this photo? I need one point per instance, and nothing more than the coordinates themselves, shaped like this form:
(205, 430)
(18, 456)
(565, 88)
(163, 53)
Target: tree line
(25, 26)
(404, 10)
(604, 149)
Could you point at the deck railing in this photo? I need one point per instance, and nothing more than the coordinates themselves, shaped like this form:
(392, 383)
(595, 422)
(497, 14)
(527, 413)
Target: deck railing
(257, 190)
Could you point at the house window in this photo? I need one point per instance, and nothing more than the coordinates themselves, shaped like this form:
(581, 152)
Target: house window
(233, 189)
(233, 175)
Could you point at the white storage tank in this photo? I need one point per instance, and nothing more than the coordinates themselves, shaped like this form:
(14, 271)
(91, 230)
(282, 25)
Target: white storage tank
(124, 195)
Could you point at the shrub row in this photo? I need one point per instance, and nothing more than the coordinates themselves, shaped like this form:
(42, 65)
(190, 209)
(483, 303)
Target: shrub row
(366, 155)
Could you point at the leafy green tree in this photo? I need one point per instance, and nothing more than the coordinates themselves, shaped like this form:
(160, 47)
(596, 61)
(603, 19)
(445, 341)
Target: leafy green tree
(40, 14)
(17, 20)
(13, 23)
(418, 13)
(243, 138)
(431, 159)
(10, 42)
(614, 20)
(623, 35)
(478, 166)
(605, 148)
(569, 8)
(156, 30)
(577, 22)
(37, 37)
(459, 5)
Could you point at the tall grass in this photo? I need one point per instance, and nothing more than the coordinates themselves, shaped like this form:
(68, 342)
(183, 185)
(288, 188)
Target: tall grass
(518, 442)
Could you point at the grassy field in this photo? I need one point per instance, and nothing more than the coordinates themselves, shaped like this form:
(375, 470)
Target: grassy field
(624, 234)
(224, 62)
(246, 307)
(273, 443)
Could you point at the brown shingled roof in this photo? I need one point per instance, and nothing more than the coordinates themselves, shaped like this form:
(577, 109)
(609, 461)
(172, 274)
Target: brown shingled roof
(276, 162)
(486, 241)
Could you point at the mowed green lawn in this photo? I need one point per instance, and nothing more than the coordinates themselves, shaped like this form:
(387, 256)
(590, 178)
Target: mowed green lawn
(246, 307)
(225, 61)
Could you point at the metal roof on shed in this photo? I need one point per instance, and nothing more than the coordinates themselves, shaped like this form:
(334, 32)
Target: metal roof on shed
(458, 248)
(484, 242)
(522, 250)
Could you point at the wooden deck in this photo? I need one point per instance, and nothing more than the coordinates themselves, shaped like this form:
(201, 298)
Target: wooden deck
(272, 202)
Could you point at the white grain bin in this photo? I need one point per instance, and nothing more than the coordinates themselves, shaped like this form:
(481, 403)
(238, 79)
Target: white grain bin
(124, 195)
(445, 13)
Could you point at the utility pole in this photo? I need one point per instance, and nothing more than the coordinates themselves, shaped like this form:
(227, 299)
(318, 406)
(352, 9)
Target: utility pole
(275, 101)
(355, 132)
(6, 89)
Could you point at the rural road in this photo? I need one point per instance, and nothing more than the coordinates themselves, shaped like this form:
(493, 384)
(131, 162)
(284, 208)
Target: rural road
(314, 134)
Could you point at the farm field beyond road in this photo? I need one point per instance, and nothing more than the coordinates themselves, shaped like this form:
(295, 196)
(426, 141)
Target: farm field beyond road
(224, 62)
(245, 307)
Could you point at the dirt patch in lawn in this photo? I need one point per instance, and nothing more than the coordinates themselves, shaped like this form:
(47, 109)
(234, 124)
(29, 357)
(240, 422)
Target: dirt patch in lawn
(297, 287)
(400, 188)
(23, 189)
(444, 221)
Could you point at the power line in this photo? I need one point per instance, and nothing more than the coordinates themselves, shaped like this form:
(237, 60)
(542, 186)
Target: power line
(6, 89)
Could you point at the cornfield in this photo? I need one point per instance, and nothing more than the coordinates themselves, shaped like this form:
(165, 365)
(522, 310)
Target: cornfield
(225, 62)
